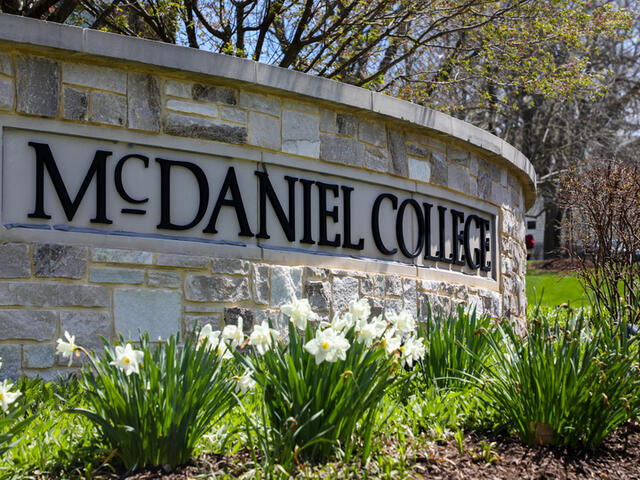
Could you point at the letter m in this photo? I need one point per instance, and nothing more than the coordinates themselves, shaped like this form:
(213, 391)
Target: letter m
(45, 160)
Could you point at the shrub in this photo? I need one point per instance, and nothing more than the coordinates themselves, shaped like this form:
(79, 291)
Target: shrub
(457, 346)
(154, 404)
(328, 381)
(561, 383)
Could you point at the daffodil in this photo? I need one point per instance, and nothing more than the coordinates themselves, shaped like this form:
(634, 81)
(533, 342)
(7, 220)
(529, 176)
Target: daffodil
(6, 396)
(403, 322)
(328, 346)
(360, 309)
(391, 342)
(67, 348)
(209, 337)
(246, 383)
(412, 350)
(262, 337)
(342, 323)
(369, 332)
(223, 350)
(299, 311)
(127, 359)
(234, 333)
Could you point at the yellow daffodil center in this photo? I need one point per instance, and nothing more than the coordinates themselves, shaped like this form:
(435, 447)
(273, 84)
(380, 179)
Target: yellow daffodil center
(325, 345)
(402, 348)
(384, 342)
(1, 397)
(126, 360)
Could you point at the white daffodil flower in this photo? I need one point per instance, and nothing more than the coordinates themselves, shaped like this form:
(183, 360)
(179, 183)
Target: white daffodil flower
(209, 337)
(127, 359)
(360, 309)
(246, 383)
(390, 342)
(412, 350)
(403, 321)
(223, 350)
(328, 346)
(234, 333)
(368, 333)
(299, 311)
(342, 323)
(262, 337)
(7, 397)
(67, 348)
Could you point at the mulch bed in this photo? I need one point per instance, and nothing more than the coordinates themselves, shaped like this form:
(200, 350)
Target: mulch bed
(617, 458)
(556, 265)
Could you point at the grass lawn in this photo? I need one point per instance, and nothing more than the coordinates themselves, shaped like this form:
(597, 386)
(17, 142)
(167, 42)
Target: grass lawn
(554, 288)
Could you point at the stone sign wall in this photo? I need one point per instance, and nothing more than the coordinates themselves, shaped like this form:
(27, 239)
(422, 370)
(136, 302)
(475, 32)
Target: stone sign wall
(110, 143)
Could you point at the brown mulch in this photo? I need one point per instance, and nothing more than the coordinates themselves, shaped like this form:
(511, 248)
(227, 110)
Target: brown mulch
(617, 458)
(557, 265)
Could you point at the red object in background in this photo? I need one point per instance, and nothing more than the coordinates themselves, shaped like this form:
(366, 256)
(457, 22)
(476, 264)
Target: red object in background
(528, 240)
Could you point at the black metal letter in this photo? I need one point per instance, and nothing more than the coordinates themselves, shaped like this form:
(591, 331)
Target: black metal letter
(266, 191)
(306, 211)
(400, 230)
(165, 193)
(346, 241)
(117, 177)
(230, 183)
(44, 159)
(324, 213)
(441, 240)
(457, 238)
(485, 245)
(427, 236)
(472, 260)
(375, 221)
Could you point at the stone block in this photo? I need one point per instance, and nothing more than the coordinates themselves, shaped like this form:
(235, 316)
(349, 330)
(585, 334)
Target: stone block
(492, 169)
(76, 104)
(286, 284)
(38, 325)
(419, 169)
(393, 305)
(196, 127)
(145, 107)
(318, 294)
(193, 323)
(88, 327)
(11, 356)
(112, 255)
(441, 305)
(260, 284)
(14, 260)
(300, 133)
(459, 178)
(418, 151)
(327, 120)
(376, 159)
(483, 185)
(53, 295)
(154, 311)
(116, 275)
(439, 169)
(214, 94)
(455, 155)
(203, 288)
(177, 88)
(108, 108)
(393, 286)
(499, 194)
(186, 261)
(38, 85)
(164, 278)
(316, 273)
(232, 114)
(6, 94)
(205, 109)
(300, 106)
(343, 290)
(5, 64)
(347, 151)
(232, 266)
(231, 315)
(264, 131)
(101, 78)
(376, 305)
(373, 285)
(372, 132)
(260, 103)
(63, 261)
(398, 151)
(347, 124)
(39, 356)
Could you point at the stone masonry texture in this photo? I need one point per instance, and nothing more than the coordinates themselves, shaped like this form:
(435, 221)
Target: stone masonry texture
(48, 288)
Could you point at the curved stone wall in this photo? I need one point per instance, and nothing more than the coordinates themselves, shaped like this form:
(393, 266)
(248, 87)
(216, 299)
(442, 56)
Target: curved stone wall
(148, 186)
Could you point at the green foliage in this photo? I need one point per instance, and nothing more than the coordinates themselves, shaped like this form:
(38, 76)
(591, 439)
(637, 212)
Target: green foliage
(554, 289)
(562, 382)
(157, 417)
(456, 344)
(308, 410)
